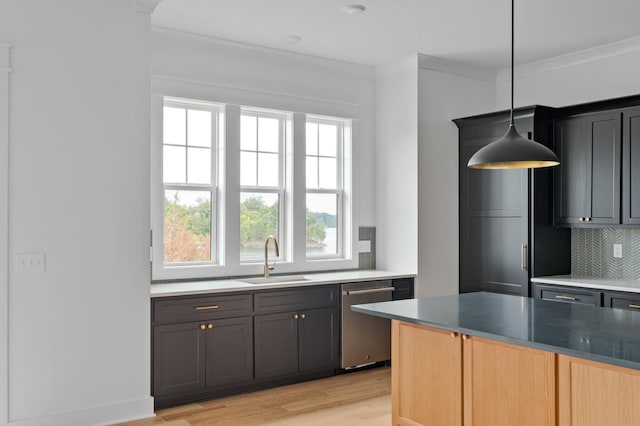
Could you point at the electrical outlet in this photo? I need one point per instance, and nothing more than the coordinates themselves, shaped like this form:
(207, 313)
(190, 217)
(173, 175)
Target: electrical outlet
(617, 250)
(364, 246)
(30, 262)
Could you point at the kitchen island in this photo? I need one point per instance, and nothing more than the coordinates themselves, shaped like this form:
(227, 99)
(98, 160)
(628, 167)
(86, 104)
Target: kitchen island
(493, 359)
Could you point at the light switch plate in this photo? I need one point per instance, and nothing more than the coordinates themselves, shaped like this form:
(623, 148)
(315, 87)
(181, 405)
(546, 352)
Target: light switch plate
(364, 246)
(617, 250)
(33, 262)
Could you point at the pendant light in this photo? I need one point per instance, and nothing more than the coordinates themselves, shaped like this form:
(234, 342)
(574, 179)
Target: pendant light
(513, 151)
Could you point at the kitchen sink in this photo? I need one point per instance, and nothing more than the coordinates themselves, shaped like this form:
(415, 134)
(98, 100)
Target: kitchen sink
(275, 280)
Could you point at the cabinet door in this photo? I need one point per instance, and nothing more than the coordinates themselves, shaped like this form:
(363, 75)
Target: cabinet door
(557, 293)
(572, 174)
(628, 301)
(229, 351)
(319, 339)
(276, 345)
(593, 394)
(178, 358)
(506, 385)
(494, 219)
(426, 376)
(603, 198)
(630, 168)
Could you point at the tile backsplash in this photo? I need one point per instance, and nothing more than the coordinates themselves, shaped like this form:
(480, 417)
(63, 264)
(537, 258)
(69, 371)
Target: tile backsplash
(367, 260)
(592, 253)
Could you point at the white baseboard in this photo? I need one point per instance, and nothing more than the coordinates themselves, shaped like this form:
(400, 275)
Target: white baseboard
(98, 416)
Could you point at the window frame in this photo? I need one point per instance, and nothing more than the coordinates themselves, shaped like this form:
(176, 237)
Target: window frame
(280, 190)
(338, 191)
(169, 270)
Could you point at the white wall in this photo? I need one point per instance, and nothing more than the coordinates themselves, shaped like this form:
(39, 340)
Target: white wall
(604, 72)
(396, 163)
(79, 193)
(446, 90)
(196, 66)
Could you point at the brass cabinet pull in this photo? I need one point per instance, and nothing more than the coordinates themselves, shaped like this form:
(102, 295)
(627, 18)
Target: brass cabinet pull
(209, 326)
(296, 316)
(206, 308)
(587, 219)
(523, 257)
(202, 327)
(302, 316)
(634, 306)
(558, 296)
(581, 219)
(465, 337)
(454, 334)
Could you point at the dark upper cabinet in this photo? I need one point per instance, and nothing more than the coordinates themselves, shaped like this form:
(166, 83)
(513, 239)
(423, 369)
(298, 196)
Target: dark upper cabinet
(631, 167)
(588, 178)
(506, 216)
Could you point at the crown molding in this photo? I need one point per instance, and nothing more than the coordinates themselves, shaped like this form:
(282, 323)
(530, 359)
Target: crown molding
(594, 54)
(435, 63)
(145, 6)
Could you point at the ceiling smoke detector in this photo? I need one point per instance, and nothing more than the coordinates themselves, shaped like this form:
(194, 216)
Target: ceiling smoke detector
(353, 9)
(291, 39)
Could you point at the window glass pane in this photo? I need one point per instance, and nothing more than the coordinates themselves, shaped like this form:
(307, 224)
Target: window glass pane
(174, 122)
(248, 169)
(187, 226)
(174, 165)
(328, 134)
(268, 169)
(328, 173)
(268, 134)
(312, 139)
(259, 218)
(312, 172)
(199, 128)
(322, 220)
(199, 170)
(248, 133)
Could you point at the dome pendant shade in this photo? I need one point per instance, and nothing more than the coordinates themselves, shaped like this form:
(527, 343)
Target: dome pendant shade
(513, 151)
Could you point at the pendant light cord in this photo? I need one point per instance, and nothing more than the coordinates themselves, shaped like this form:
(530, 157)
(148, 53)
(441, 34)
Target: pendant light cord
(512, 63)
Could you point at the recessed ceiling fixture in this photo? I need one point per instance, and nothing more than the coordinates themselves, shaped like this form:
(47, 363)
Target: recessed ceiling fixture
(513, 151)
(353, 9)
(291, 39)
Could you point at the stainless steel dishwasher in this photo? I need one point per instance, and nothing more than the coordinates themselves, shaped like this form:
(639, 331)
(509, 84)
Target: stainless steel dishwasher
(365, 339)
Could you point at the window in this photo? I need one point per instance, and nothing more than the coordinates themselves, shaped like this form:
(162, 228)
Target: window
(189, 182)
(324, 139)
(261, 181)
(225, 177)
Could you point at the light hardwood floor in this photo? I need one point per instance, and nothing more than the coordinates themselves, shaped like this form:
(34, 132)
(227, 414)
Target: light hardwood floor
(359, 398)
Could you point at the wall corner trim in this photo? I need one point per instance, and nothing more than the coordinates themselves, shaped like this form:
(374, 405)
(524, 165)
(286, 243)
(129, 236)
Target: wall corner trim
(145, 6)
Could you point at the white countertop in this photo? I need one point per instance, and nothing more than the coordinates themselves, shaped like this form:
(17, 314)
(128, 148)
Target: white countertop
(225, 286)
(631, 286)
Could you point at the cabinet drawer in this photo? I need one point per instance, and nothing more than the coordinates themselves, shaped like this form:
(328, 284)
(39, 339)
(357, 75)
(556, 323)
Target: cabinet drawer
(296, 299)
(196, 308)
(630, 302)
(568, 295)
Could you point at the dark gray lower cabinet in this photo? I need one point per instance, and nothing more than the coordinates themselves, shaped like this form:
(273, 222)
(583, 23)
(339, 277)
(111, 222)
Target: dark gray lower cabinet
(198, 355)
(567, 294)
(213, 345)
(620, 300)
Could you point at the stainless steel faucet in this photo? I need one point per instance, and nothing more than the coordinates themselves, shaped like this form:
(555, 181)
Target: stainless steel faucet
(267, 269)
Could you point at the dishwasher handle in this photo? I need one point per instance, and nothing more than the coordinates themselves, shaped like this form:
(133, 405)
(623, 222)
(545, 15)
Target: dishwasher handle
(368, 291)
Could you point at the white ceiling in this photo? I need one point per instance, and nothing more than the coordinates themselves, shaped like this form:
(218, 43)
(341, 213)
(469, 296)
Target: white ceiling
(471, 31)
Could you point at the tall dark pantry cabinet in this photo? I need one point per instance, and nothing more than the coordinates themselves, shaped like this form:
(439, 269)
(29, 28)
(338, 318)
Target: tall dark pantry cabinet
(506, 216)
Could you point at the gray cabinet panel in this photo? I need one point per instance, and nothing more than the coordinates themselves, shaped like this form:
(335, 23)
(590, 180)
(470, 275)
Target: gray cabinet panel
(631, 167)
(276, 345)
(573, 174)
(178, 358)
(577, 295)
(603, 199)
(318, 333)
(588, 178)
(201, 308)
(627, 301)
(296, 299)
(229, 352)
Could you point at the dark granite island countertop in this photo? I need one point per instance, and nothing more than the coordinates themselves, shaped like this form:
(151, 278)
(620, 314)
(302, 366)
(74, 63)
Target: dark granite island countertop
(606, 335)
